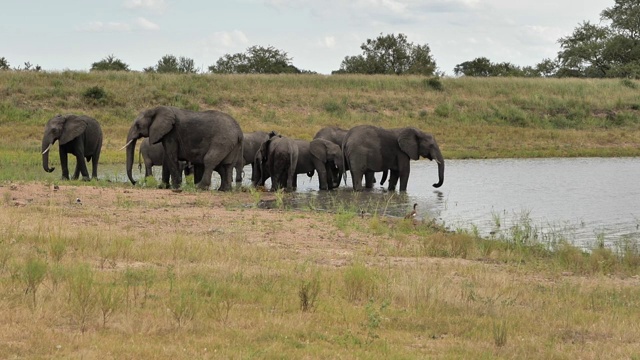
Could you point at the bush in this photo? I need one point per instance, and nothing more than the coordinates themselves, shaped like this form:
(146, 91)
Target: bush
(95, 95)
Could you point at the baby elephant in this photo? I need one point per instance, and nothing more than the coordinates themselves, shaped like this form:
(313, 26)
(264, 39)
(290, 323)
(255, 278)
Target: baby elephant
(77, 135)
(153, 155)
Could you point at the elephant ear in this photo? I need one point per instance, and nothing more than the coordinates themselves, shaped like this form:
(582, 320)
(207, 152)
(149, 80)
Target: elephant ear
(408, 142)
(74, 126)
(319, 150)
(162, 121)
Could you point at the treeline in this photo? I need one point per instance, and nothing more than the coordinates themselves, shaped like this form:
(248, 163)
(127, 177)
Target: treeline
(607, 50)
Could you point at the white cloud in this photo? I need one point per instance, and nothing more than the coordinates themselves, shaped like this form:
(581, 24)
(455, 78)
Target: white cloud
(99, 26)
(112, 26)
(328, 42)
(146, 24)
(228, 39)
(157, 5)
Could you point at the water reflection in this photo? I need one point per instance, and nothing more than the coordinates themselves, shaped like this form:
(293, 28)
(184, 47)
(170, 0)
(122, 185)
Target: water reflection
(581, 200)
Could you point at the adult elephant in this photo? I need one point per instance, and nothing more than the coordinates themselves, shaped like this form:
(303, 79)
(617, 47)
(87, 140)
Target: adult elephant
(210, 140)
(368, 149)
(153, 155)
(250, 146)
(78, 135)
(323, 157)
(279, 156)
(331, 133)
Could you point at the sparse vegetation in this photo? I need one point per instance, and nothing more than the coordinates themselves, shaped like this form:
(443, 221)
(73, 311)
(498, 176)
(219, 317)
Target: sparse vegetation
(201, 274)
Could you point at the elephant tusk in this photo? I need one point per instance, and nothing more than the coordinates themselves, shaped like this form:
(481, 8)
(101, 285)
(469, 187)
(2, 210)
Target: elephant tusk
(44, 152)
(127, 144)
(438, 162)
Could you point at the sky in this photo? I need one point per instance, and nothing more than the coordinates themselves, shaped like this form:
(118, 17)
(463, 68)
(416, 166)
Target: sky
(316, 34)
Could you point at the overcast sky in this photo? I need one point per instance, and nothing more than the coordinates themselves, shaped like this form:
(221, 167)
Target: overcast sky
(316, 34)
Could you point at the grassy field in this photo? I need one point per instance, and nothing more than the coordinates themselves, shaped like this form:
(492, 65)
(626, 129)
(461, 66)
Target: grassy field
(107, 270)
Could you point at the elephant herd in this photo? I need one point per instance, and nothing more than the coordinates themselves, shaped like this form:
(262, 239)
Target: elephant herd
(201, 142)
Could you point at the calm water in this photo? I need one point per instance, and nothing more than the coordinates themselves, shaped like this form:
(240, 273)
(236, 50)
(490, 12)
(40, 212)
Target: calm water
(579, 199)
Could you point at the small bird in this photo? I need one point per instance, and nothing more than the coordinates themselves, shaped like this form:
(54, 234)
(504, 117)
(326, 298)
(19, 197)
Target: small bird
(412, 214)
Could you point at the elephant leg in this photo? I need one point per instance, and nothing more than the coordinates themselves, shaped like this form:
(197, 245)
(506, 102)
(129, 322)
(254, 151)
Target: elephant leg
(369, 179)
(404, 180)
(322, 178)
(393, 179)
(172, 173)
(148, 170)
(239, 166)
(356, 179)
(64, 164)
(226, 177)
(94, 166)
(81, 165)
(198, 171)
(76, 171)
(165, 183)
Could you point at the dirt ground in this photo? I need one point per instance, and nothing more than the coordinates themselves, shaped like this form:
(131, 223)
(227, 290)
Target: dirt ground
(300, 234)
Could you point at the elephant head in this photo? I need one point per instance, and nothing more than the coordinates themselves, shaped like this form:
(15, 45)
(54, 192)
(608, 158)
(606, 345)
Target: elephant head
(330, 155)
(416, 143)
(260, 171)
(61, 128)
(154, 123)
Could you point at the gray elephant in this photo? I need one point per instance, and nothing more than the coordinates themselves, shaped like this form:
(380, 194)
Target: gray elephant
(250, 146)
(153, 155)
(77, 135)
(322, 156)
(368, 149)
(210, 140)
(331, 133)
(279, 157)
(335, 135)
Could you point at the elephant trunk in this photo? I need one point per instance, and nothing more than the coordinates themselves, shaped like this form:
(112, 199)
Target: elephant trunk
(46, 146)
(131, 148)
(440, 160)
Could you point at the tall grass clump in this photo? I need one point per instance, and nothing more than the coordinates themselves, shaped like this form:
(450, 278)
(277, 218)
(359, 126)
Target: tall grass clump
(33, 273)
(82, 292)
(360, 282)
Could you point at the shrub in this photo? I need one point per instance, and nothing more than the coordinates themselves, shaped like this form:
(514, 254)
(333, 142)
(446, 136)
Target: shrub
(95, 95)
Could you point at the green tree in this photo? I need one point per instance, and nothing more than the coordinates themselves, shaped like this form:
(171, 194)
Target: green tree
(4, 64)
(109, 63)
(611, 50)
(390, 54)
(477, 67)
(256, 60)
(172, 64)
(582, 51)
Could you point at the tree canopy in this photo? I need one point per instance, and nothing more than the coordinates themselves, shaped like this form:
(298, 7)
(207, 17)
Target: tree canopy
(109, 63)
(611, 50)
(390, 54)
(256, 60)
(172, 64)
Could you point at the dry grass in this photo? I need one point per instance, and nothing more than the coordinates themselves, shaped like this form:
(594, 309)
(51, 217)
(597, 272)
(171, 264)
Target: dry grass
(144, 273)
(471, 118)
(141, 273)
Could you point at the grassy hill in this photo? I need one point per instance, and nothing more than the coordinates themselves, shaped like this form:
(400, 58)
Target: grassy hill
(470, 117)
(104, 269)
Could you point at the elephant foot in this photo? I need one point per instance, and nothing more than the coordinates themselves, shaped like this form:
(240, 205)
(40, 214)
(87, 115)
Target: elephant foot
(203, 187)
(86, 178)
(163, 186)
